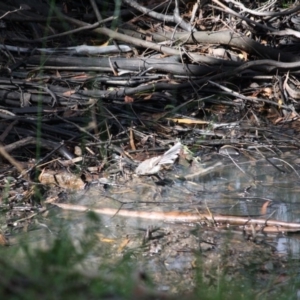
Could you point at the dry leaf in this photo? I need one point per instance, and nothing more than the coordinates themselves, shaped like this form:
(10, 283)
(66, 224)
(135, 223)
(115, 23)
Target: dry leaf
(69, 93)
(70, 162)
(267, 92)
(62, 179)
(128, 99)
(3, 240)
(188, 121)
(132, 145)
(123, 244)
(264, 207)
(149, 97)
(104, 239)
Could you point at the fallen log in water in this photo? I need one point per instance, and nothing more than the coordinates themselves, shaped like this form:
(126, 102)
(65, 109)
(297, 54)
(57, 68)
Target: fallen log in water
(264, 225)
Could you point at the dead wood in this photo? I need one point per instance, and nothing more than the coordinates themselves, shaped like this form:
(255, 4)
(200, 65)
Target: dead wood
(210, 75)
(217, 220)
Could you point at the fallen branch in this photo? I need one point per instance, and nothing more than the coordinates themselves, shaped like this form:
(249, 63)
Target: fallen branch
(263, 225)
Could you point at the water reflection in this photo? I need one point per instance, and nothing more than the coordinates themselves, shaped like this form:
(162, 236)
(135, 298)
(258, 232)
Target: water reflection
(252, 188)
(289, 246)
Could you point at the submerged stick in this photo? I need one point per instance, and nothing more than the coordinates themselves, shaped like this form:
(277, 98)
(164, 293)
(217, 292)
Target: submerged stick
(174, 216)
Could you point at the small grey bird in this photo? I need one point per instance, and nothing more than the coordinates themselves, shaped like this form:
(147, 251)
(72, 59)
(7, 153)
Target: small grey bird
(152, 165)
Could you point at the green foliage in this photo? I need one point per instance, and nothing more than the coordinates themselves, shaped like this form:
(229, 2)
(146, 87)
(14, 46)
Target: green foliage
(58, 272)
(287, 4)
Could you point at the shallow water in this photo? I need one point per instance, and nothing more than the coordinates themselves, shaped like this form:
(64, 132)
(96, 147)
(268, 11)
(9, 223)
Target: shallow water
(237, 186)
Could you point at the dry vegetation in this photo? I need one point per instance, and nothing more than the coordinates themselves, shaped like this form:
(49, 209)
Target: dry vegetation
(87, 86)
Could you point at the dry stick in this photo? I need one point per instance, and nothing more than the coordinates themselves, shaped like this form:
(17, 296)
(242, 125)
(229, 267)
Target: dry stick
(183, 217)
(44, 143)
(202, 171)
(79, 128)
(87, 27)
(232, 12)
(11, 12)
(293, 93)
(235, 163)
(284, 161)
(161, 86)
(172, 19)
(7, 130)
(195, 9)
(99, 18)
(96, 10)
(227, 38)
(122, 37)
(170, 51)
(21, 143)
(135, 41)
(287, 31)
(238, 95)
(8, 157)
(265, 13)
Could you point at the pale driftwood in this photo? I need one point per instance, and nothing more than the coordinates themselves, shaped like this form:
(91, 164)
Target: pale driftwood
(264, 225)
